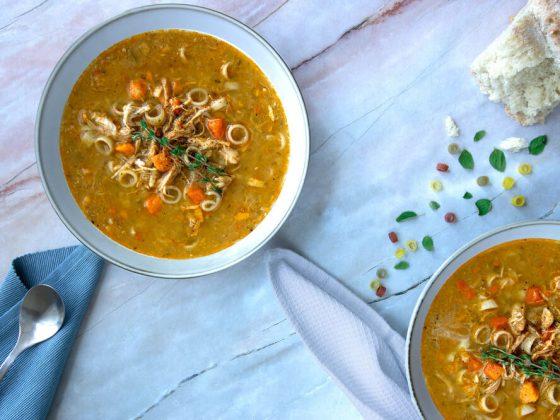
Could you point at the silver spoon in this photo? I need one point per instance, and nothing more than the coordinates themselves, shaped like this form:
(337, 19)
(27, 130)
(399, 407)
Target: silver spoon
(40, 317)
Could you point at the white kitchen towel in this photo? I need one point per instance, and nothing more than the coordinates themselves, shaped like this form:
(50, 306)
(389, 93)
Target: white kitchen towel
(363, 354)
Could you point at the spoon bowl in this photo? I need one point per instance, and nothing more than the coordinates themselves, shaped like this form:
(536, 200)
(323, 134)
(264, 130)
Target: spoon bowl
(41, 316)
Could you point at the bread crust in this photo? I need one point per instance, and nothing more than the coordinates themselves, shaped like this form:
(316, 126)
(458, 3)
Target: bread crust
(547, 14)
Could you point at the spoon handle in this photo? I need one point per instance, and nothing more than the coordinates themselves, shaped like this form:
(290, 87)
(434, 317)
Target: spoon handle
(9, 360)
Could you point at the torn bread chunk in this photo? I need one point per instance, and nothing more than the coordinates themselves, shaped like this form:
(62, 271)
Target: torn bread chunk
(451, 127)
(521, 68)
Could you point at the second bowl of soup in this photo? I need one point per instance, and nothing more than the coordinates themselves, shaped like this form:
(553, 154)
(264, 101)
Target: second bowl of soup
(485, 339)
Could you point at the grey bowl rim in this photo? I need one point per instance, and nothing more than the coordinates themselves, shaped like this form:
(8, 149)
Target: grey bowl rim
(140, 9)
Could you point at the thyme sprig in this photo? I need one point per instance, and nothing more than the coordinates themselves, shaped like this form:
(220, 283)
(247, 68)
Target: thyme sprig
(198, 159)
(541, 369)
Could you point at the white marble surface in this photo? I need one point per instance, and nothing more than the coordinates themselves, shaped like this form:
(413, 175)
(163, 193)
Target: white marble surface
(378, 77)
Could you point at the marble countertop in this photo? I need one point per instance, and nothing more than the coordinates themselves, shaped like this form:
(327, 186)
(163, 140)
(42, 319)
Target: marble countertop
(378, 77)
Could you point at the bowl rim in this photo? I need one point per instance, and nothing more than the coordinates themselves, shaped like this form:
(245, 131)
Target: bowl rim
(305, 140)
(414, 317)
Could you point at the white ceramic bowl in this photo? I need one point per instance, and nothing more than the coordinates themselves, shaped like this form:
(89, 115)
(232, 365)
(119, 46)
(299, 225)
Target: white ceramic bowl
(149, 18)
(416, 382)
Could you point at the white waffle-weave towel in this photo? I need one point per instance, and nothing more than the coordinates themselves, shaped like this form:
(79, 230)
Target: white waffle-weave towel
(361, 352)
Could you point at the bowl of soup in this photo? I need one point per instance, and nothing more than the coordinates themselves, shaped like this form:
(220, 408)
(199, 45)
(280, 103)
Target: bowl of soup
(484, 340)
(172, 140)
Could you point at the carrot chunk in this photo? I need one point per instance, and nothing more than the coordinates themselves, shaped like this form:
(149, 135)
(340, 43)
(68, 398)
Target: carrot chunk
(473, 364)
(533, 296)
(529, 393)
(466, 290)
(196, 195)
(137, 89)
(217, 127)
(499, 322)
(126, 149)
(493, 370)
(162, 162)
(153, 204)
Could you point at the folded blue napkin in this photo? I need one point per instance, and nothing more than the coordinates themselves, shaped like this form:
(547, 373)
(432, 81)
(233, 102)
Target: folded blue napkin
(27, 390)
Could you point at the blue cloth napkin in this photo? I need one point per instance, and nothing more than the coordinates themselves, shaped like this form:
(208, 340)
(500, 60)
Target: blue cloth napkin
(27, 390)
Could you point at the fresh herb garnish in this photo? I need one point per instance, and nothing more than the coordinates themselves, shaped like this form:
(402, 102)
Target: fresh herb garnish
(199, 160)
(403, 265)
(215, 170)
(537, 145)
(210, 181)
(484, 206)
(466, 160)
(498, 160)
(479, 135)
(467, 196)
(178, 150)
(406, 215)
(434, 205)
(428, 243)
(540, 369)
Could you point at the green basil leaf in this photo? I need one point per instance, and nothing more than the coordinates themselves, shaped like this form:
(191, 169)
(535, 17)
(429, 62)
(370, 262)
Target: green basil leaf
(428, 243)
(498, 160)
(403, 265)
(434, 205)
(406, 215)
(484, 206)
(467, 196)
(537, 145)
(143, 125)
(479, 135)
(466, 160)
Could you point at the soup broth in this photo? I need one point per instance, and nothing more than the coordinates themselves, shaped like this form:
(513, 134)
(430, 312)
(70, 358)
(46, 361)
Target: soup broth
(174, 144)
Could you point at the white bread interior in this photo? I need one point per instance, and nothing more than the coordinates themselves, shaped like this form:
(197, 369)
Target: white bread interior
(521, 68)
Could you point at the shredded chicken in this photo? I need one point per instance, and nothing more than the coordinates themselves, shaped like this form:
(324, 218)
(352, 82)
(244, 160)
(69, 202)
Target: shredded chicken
(517, 320)
(547, 319)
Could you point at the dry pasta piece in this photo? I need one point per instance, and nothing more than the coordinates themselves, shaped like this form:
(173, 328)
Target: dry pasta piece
(518, 201)
(525, 169)
(400, 253)
(508, 183)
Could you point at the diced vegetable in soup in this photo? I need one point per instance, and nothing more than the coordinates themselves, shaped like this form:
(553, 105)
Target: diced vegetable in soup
(491, 340)
(174, 144)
